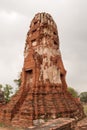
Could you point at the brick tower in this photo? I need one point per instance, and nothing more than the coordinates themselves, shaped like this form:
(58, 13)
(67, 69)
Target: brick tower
(43, 91)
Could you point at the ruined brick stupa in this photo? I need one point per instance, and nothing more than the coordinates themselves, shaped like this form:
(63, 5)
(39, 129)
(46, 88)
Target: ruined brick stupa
(43, 91)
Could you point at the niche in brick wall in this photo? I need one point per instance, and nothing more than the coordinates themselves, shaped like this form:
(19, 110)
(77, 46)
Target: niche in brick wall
(29, 78)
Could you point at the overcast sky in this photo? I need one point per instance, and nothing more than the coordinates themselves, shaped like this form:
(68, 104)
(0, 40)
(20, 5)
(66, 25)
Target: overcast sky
(71, 19)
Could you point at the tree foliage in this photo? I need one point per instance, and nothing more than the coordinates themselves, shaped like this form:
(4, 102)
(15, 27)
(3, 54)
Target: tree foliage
(73, 92)
(7, 90)
(18, 80)
(83, 97)
(1, 86)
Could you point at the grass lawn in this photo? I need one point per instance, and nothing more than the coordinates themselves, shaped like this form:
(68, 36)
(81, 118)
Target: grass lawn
(85, 108)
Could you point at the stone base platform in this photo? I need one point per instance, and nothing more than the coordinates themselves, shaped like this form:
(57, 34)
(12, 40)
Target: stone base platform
(56, 124)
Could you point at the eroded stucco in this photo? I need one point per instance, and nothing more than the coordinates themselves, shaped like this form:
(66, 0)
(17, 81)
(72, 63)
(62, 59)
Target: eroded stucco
(49, 69)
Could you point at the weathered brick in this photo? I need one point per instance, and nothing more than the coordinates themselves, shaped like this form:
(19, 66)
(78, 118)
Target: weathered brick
(43, 91)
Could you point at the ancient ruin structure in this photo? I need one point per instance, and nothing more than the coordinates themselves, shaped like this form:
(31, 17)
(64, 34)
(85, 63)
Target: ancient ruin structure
(43, 92)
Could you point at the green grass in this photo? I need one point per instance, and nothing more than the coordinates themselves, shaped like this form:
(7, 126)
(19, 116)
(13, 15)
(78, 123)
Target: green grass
(18, 129)
(2, 125)
(85, 109)
(9, 127)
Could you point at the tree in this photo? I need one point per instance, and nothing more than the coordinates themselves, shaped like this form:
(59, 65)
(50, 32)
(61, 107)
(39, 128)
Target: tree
(73, 92)
(1, 94)
(83, 97)
(7, 92)
(18, 80)
(1, 86)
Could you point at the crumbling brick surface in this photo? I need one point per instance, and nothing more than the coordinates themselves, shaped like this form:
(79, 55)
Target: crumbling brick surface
(43, 92)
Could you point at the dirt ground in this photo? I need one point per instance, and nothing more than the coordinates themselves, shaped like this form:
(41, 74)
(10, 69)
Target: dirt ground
(4, 128)
(7, 128)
